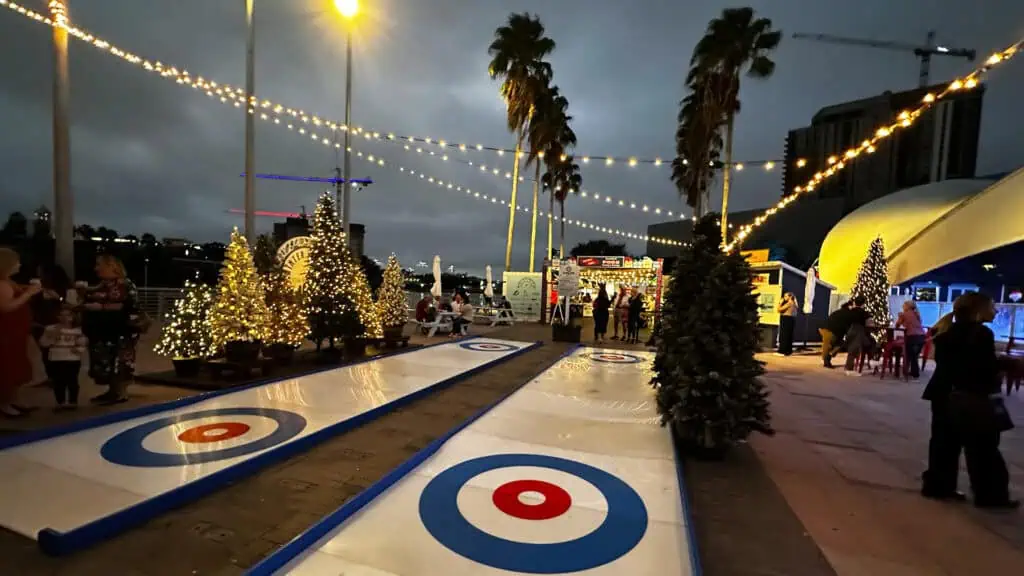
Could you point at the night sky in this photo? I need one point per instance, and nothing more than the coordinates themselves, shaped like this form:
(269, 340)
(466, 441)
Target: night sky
(152, 156)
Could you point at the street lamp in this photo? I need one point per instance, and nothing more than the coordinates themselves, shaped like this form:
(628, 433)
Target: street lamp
(250, 123)
(63, 207)
(348, 10)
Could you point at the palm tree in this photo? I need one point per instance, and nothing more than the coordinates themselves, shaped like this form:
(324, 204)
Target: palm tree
(698, 139)
(734, 42)
(562, 178)
(517, 54)
(550, 137)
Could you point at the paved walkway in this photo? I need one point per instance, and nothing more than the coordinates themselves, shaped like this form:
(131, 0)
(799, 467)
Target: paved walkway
(848, 456)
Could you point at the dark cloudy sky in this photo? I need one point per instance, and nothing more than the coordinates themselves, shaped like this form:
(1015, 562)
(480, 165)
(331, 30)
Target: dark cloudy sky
(149, 155)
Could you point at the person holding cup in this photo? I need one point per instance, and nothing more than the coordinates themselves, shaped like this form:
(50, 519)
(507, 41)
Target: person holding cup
(15, 331)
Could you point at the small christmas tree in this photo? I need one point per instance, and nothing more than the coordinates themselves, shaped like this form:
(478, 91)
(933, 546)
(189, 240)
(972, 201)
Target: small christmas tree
(706, 373)
(391, 303)
(335, 282)
(186, 335)
(287, 323)
(873, 284)
(240, 311)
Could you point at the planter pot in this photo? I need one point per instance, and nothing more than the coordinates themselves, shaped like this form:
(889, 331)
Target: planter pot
(242, 352)
(355, 348)
(393, 333)
(566, 333)
(280, 353)
(187, 367)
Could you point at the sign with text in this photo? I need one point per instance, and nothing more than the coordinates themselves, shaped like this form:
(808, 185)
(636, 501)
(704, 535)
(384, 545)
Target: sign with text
(294, 256)
(756, 256)
(568, 277)
(603, 261)
(522, 290)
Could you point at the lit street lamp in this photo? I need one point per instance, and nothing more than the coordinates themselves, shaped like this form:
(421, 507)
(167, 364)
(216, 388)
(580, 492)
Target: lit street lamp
(348, 10)
(250, 123)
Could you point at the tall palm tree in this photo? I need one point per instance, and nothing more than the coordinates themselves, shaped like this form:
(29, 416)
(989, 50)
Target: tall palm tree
(734, 42)
(698, 138)
(562, 178)
(517, 54)
(550, 137)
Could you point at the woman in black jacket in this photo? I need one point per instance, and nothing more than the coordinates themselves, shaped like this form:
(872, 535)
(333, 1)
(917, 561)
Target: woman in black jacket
(601, 304)
(965, 389)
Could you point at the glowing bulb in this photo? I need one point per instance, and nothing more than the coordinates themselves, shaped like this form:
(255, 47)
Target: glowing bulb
(801, 163)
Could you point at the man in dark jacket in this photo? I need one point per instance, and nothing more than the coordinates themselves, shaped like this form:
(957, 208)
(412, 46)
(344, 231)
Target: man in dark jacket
(850, 315)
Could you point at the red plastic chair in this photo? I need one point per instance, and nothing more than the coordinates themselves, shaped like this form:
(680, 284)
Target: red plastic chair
(926, 350)
(894, 356)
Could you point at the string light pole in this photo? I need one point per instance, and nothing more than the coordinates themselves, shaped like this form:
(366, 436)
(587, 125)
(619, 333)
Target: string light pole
(63, 206)
(348, 10)
(250, 123)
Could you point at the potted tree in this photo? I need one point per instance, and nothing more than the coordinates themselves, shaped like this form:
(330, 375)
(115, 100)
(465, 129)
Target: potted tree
(287, 324)
(239, 318)
(186, 337)
(391, 302)
(352, 333)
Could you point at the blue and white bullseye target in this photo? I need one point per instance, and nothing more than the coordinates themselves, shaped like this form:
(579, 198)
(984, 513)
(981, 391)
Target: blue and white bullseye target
(200, 437)
(614, 358)
(525, 524)
(487, 347)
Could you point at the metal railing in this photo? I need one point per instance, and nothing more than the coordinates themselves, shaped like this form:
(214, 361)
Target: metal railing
(1009, 321)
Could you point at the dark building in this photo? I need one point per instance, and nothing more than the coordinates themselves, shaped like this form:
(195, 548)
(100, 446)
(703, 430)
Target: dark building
(292, 227)
(941, 145)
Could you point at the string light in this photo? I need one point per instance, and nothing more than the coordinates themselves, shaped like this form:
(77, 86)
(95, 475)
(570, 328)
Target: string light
(236, 96)
(903, 120)
(186, 334)
(239, 312)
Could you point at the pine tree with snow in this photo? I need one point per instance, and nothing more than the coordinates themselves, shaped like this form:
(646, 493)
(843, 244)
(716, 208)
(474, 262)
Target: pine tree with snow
(873, 284)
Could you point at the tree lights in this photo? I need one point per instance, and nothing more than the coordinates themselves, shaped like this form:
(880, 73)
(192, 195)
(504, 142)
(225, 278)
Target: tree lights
(239, 313)
(186, 334)
(873, 284)
(391, 303)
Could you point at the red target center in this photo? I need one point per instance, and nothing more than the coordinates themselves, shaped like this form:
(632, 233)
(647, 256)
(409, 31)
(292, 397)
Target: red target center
(213, 432)
(556, 500)
(615, 357)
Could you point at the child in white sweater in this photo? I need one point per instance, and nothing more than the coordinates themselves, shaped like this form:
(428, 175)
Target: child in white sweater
(66, 346)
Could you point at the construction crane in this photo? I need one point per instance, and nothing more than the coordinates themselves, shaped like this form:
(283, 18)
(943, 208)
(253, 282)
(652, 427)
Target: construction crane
(924, 52)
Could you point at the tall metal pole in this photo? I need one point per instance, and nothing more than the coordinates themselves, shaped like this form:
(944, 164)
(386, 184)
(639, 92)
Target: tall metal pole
(63, 204)
(346, 200)
(250, 123)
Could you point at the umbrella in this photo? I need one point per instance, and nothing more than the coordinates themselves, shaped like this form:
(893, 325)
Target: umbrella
(809, 288)
(489, 286)
(435, 290)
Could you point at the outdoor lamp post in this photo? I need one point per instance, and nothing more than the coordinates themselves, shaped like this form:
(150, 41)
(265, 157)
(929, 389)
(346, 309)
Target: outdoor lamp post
(348, 10)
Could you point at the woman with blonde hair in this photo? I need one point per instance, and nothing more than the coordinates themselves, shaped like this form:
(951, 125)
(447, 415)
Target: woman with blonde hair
(110, 308)
(15, 330)
(910, 320)
(966, 390)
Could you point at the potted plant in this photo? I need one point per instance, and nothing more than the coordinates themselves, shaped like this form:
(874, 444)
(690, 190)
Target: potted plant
(288, 325)
(186, 337)
(391, 303)
(352, 333)
(239, 320)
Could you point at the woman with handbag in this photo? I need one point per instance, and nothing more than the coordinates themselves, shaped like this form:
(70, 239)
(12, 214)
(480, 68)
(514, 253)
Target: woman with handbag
(966, 357)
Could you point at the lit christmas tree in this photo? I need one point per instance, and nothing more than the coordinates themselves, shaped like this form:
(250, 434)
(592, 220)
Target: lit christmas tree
(287, 323)
(391, 301)
(240, 311)
(186, 335)
(706, 371)
(873, 284)
(335, 282)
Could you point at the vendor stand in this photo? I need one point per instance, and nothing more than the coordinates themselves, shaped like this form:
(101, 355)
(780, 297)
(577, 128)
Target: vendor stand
(771, 280)
(643, 274)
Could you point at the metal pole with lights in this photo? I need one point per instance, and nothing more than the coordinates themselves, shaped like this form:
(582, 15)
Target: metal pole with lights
(348, 10)
(250, 121)
(63, 205)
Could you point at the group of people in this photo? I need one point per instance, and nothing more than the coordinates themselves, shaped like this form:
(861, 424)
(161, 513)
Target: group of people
(626, 310)
(98, 324)
(459, 306)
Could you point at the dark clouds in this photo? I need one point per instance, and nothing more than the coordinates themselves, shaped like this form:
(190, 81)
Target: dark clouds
(151, 156)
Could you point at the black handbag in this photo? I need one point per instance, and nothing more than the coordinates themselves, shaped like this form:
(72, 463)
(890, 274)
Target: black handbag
(1000, 415)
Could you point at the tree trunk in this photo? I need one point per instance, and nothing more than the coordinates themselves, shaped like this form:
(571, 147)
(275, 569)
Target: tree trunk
(561, 232)
(551, 220)
(533, 214)
(726, 173)
(512, 202)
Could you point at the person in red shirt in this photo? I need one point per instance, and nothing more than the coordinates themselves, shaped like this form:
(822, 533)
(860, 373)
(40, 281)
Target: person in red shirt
(425, 309)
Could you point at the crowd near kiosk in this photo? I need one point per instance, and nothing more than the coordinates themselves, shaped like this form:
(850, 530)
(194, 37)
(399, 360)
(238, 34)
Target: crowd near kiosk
(643, 274)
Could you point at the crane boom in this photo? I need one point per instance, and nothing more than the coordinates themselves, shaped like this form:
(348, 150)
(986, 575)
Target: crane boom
(924, 52)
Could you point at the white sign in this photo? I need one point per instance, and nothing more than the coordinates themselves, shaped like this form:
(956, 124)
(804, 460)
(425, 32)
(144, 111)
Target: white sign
(294, 256)
(522, 290)
(568, 278)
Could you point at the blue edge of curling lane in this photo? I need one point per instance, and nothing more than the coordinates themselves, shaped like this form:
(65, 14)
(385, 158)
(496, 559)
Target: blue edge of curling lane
(55, 543)
(288, 553)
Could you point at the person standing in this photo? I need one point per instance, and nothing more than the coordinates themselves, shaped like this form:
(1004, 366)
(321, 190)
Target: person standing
(601, 304)
(65, 346)
(621, 311)
(910, 320)
(944, 444)
(858, 341)
(635, 310)
(46, 306)
(15, 331)
(109, 310)
(787, 309)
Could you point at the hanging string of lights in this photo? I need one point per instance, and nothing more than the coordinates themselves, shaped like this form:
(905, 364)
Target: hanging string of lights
(903, 120)
(234, 94)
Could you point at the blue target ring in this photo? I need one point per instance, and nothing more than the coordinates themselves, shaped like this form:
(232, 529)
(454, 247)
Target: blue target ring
(126, 448)
(487, 347)
(614, 358)
(622, 529)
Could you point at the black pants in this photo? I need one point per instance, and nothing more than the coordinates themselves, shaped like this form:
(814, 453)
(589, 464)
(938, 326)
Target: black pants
(457, 325)
(64, 376)
(787, 324)
(990, 479)
(600, 324)
(914, 346)
(943, 451)
(634, 328)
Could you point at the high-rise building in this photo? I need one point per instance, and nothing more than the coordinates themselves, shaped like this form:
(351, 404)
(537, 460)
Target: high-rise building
(941, 145)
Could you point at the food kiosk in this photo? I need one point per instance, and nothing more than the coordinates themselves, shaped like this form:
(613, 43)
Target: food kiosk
(644, 274)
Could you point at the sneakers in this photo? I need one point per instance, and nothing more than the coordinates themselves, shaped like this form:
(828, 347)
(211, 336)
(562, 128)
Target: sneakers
(853, 373)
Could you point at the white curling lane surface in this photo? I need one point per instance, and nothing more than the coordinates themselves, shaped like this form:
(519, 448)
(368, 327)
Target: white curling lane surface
(65, 482)
(570, 474)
